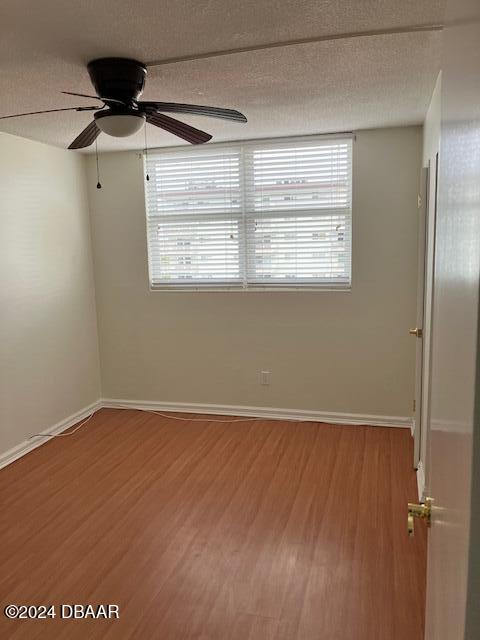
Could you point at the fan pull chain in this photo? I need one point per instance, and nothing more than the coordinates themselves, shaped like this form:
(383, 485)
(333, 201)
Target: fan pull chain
(99, 186)
(146, 151)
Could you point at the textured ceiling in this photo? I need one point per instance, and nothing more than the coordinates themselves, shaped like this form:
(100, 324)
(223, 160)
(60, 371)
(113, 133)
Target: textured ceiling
(374, 81)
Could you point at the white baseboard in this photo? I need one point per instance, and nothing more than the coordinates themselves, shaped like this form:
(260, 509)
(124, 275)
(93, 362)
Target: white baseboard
(28, 445)
(209, 409)
(420, 481)
(261, 412)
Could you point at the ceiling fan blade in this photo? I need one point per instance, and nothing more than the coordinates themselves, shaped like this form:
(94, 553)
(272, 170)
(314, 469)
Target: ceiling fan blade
(180, 129)
(194, 109)
(34, 113)
(87, 137)
(83, 95)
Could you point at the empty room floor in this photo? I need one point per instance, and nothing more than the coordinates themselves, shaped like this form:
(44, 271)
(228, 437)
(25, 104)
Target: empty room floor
(251, 530)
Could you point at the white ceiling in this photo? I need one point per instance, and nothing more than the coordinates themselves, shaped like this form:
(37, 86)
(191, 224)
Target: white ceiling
(343, 84)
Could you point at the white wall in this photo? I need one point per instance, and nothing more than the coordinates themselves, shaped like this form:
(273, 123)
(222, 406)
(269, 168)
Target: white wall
(327, 351)
(49, 365)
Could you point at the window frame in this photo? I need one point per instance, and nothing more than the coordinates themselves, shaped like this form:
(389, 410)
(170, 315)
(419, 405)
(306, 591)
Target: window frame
(244, 214)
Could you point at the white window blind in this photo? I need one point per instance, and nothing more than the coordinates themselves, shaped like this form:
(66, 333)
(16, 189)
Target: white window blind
(255, 214)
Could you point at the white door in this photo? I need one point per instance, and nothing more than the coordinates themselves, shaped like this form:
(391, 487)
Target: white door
(453, 472)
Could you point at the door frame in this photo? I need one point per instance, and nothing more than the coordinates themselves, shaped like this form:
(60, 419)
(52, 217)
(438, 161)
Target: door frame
(424, 321)
(422, 254)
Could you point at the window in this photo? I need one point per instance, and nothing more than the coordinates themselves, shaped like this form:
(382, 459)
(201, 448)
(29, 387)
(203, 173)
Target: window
(251, 215)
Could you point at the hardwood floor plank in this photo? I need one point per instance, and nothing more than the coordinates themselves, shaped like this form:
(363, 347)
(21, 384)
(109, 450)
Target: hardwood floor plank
(255, 530)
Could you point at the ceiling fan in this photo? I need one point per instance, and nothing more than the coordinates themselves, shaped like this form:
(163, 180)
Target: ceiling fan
(119, 83)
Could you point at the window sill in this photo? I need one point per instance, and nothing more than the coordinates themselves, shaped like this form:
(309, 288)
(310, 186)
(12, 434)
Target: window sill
(252, 289)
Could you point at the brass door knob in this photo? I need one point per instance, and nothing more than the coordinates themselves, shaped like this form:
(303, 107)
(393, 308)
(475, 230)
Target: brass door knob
(422, 510)
(416, 332)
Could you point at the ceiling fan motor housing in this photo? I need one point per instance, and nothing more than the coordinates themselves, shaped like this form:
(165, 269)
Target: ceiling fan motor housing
(119, 78)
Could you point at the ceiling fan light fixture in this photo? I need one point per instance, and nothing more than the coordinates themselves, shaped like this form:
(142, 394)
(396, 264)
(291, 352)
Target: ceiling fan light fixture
(120, 125)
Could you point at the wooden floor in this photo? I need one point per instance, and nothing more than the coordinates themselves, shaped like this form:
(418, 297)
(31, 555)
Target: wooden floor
(258, 530)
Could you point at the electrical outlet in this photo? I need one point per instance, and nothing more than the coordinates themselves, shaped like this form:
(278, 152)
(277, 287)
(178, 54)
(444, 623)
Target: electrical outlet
(265, 378)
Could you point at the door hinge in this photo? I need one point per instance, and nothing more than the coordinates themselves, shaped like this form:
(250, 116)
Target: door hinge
(414, 406)
(419, 201)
